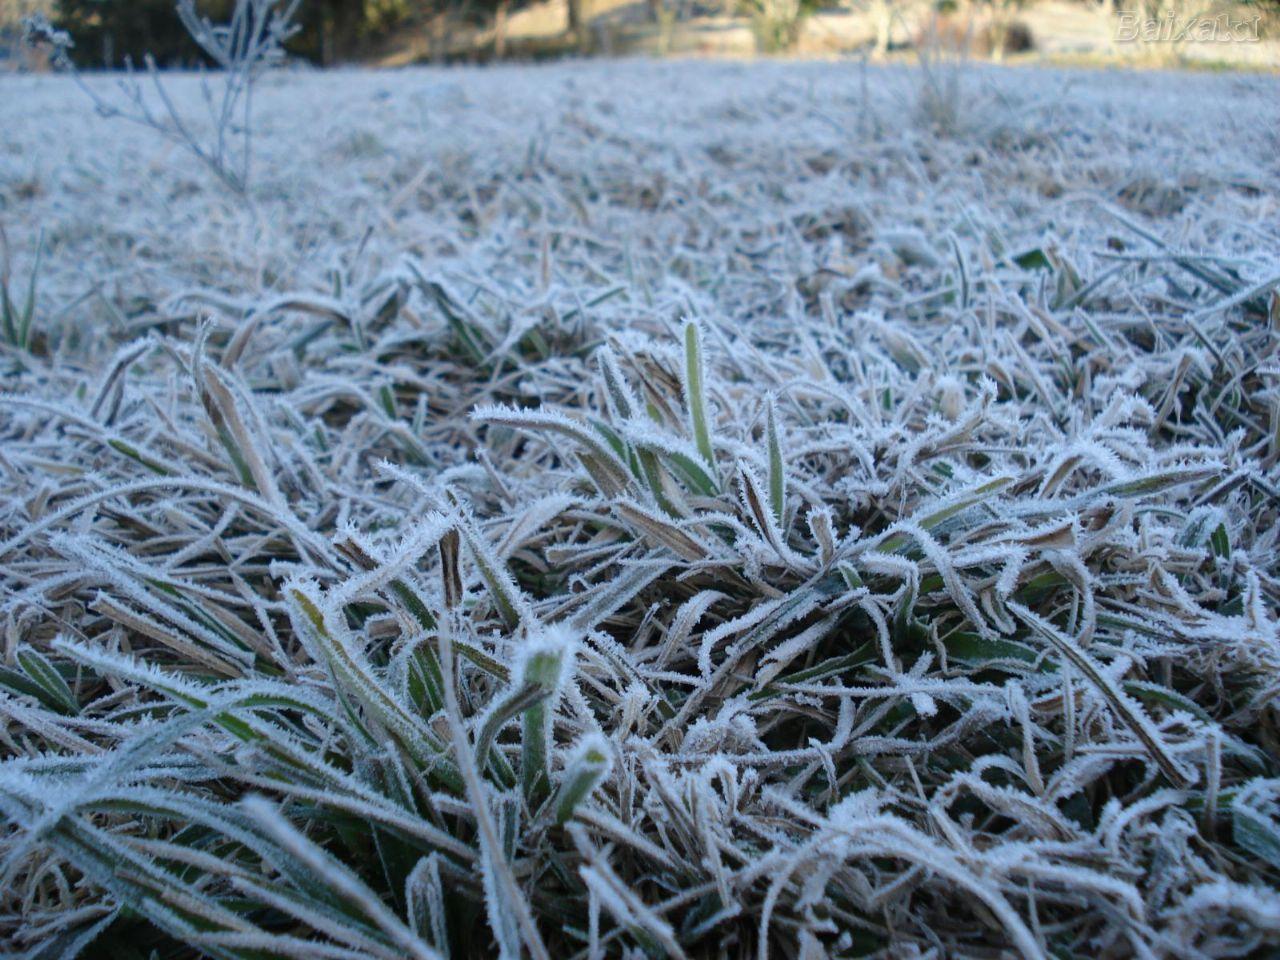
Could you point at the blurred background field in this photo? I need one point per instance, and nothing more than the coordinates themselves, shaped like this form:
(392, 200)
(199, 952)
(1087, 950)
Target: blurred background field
(399, 32)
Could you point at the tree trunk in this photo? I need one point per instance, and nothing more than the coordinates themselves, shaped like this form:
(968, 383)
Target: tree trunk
(500, 29)
(440, 35)
(575, 19)
(999, 42)
(1110, 13)
(341, 21)
(884, 27)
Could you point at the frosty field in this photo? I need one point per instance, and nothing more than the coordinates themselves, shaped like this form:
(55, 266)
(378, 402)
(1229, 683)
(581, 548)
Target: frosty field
(645, 509)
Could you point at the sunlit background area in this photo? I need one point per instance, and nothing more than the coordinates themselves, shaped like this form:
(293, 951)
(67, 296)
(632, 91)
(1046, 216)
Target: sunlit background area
(399, 32)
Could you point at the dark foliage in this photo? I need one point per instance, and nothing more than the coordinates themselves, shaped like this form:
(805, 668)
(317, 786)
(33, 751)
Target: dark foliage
(109, 32)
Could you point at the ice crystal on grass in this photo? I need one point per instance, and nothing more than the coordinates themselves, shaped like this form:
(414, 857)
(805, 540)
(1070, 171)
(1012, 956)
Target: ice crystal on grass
(611, 525)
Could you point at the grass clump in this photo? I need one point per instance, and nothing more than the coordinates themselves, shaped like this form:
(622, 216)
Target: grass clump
(421, 613)
(18, 302)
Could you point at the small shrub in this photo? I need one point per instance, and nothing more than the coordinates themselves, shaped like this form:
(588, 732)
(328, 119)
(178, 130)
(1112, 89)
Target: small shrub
(249, 43)
(776, 24)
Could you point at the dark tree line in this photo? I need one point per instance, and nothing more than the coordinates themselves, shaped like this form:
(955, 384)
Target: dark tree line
(106, 32)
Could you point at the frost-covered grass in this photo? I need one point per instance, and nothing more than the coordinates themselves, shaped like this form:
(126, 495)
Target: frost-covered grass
(646, 509)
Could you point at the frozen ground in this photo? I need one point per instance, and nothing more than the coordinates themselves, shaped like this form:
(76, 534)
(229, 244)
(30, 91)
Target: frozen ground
(920, 598)
(468, 169)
